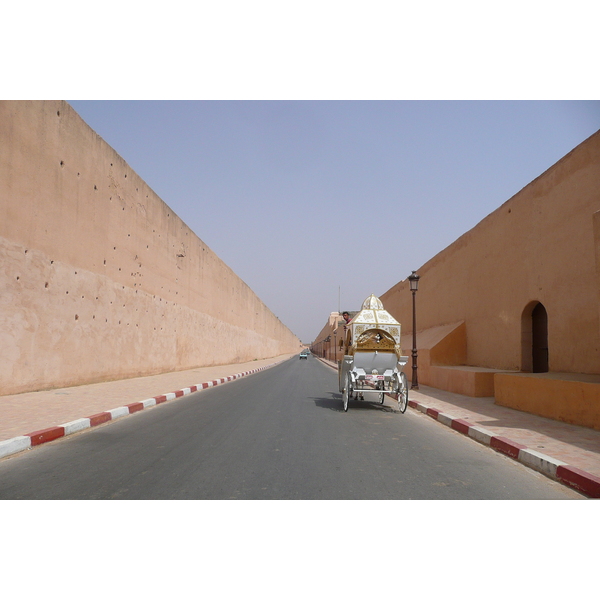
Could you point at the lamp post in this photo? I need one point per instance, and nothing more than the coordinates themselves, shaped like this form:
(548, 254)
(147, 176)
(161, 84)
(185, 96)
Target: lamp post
(335, 344)
(328, 340)
(413, 279)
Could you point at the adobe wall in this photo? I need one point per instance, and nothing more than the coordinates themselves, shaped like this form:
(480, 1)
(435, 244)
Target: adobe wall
(99, 278)
(334, 330)
(542, 245)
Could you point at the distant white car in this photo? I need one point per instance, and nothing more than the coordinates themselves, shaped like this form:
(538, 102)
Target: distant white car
(304, 354)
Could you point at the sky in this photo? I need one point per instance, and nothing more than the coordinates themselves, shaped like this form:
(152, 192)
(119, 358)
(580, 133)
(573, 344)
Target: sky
(318, 204)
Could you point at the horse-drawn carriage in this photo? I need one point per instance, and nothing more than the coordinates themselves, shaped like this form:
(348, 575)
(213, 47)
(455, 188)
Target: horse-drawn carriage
(372, 363)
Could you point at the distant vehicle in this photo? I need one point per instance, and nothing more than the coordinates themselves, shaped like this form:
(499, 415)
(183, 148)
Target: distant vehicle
(304, 354)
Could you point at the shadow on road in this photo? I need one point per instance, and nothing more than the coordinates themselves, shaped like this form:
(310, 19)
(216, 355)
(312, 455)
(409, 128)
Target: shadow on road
(334, 402)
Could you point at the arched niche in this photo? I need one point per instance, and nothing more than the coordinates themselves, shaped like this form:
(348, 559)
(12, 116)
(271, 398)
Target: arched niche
(534, 338)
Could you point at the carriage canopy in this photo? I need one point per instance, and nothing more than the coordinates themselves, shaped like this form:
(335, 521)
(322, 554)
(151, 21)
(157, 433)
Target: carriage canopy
(373, 328)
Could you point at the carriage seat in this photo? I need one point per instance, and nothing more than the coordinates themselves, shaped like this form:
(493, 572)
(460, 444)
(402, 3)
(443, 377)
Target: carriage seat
(382, 362)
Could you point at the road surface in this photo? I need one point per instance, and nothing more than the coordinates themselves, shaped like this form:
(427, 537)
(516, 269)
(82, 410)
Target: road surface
(278, 434)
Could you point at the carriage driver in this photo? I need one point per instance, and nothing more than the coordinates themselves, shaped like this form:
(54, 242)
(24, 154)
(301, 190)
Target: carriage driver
(347, 319)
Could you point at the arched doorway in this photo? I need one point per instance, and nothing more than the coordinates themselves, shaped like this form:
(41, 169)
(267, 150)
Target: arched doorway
(539, 333)
(534, 338)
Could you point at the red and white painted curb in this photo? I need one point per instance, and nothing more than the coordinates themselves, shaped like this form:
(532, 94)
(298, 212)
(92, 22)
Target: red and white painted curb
(25, 442)
(576, 478)
(583, 482)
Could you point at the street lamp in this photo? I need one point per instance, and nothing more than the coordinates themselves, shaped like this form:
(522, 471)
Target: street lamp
(328, 340)
(335, 344)
(413, 280)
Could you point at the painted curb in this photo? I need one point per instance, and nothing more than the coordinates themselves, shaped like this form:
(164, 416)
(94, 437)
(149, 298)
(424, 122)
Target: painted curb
(540, 462)
(568, 475)
(36, 438)
(579, 480)
(14, 445)
(77, 425)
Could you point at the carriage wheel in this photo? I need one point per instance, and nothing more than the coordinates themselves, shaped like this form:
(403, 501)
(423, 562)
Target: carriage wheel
(381, 394)
(347, 392)
(402, 393)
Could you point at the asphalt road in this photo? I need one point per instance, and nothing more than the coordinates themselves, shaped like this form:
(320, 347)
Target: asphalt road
(278, 434)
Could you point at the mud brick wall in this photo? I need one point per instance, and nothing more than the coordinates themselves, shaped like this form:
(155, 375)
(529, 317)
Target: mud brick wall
(99, 279)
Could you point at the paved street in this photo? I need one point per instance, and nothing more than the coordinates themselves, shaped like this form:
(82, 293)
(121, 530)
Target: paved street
(279, 434)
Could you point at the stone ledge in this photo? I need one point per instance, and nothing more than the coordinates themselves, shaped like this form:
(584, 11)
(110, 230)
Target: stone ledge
(567, 397)
(477, 382)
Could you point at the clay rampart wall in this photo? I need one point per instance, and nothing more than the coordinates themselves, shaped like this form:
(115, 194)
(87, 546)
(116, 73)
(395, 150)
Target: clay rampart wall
(542, 245)
(99, 278)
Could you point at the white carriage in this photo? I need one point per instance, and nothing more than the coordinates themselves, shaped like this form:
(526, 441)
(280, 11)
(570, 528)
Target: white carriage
(372, 363)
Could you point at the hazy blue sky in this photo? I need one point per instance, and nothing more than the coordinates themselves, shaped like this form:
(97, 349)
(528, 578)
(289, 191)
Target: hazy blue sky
(303, 199)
